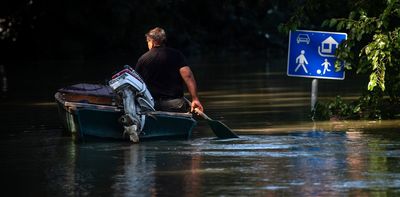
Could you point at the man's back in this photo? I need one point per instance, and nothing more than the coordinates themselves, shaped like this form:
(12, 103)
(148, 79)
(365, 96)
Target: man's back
(159, 68)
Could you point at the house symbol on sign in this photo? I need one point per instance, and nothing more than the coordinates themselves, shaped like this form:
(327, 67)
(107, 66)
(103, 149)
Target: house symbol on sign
(327, 49)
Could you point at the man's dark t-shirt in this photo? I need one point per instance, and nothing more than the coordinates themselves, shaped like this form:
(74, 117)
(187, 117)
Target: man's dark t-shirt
(159, 68)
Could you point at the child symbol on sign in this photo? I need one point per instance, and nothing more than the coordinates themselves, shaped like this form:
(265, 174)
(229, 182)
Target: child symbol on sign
(326, 64)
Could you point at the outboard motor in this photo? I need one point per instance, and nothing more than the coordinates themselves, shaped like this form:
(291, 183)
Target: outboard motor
(136, 99)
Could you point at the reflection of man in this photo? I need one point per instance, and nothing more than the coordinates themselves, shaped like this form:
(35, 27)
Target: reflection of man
(326, 64)
(301, 60)
(165, 71)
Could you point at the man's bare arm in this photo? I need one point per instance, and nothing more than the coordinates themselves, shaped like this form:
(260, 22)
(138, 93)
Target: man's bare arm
(188, 77)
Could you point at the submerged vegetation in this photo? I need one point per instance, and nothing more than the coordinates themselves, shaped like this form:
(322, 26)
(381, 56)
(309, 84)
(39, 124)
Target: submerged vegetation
(372, 48)
(371, 105)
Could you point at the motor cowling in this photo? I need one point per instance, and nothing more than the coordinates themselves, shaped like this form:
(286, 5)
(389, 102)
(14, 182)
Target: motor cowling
(136, 99)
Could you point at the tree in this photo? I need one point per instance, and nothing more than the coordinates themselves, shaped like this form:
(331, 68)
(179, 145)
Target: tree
(379, 40)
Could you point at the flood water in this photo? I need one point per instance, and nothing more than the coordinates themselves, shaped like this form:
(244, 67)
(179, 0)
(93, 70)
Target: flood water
(280, 152)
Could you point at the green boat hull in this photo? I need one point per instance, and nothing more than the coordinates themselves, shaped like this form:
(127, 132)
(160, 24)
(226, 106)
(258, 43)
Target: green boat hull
(96, 115)
(104, 124)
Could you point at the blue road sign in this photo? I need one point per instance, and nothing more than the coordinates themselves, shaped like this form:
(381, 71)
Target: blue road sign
(312, 54)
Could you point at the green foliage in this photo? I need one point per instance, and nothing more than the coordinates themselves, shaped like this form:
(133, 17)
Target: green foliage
(373, 43)
(336, 109)
(372, 105)
(373, 47)
(5, 29)
(309, 14)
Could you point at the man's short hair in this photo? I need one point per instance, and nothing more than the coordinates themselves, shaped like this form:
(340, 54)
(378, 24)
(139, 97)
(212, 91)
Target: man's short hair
(158, 35)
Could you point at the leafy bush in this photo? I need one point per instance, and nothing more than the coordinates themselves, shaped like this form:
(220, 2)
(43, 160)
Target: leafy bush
(373, 45)
(336, 109)
(372, 105)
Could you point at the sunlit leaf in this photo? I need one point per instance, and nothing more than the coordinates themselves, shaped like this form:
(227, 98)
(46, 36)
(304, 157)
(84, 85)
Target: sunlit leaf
(332, 22)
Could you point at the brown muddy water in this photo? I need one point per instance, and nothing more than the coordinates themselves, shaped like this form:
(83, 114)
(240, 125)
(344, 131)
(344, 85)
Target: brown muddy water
(280, 152)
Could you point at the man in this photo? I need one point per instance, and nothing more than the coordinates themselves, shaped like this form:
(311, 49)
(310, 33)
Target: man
(165, 72)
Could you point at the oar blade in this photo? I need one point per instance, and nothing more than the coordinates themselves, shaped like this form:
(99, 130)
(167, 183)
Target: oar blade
(221, 130)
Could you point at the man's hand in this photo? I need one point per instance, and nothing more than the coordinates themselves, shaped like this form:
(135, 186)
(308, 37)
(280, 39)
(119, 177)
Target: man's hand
(196, 104)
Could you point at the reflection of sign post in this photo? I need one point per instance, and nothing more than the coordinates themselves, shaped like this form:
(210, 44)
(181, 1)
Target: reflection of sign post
(316, 50)
(312, 54)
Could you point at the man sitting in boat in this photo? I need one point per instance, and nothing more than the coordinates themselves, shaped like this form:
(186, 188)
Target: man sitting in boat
(165, 71)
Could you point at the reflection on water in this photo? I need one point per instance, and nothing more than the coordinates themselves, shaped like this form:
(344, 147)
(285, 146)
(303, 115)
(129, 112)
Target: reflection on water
(280, 152)
(313, 163)
(3, 81)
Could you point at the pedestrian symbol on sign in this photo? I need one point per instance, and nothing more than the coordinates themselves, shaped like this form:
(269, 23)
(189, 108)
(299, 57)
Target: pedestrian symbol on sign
(301, 59)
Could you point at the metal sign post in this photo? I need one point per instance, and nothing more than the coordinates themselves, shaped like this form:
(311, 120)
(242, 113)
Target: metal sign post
(312, 55)
(314, 93)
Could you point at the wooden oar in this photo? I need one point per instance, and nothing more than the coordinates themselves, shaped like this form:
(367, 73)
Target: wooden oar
(220, 129)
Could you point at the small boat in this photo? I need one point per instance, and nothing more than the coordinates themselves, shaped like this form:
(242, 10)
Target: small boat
(95, 110)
